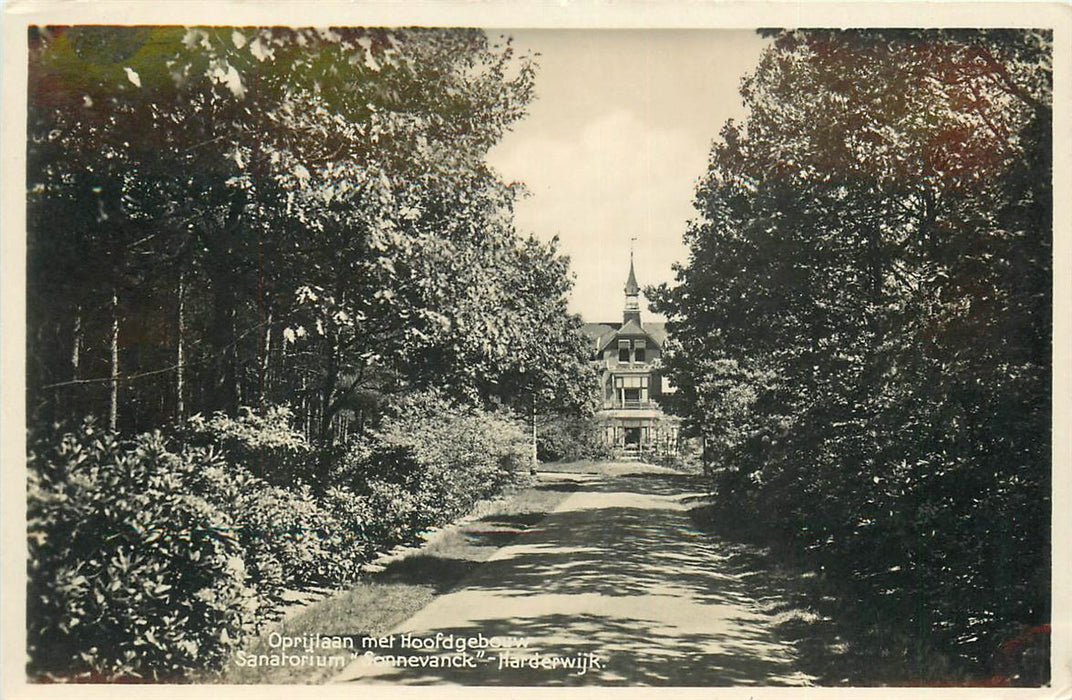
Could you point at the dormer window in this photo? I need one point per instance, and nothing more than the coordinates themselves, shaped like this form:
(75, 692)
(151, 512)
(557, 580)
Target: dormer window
(623, 351)
(639, 350)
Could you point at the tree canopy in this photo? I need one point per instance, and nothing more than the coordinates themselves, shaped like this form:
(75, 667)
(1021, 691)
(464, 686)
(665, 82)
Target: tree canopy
(274, 215)
(862, 330)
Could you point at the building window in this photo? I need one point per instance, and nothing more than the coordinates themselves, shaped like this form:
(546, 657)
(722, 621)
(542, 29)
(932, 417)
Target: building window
(639, 347)
(631, 382)
(632, 391)
(623, 351)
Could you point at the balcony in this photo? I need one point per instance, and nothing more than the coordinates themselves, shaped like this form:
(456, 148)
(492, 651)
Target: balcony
(616, 363)
(635, 404)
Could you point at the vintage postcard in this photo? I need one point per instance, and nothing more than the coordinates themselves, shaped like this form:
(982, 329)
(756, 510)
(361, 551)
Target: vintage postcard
(358, 347)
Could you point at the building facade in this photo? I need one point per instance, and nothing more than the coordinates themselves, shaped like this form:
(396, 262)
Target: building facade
(627, 355)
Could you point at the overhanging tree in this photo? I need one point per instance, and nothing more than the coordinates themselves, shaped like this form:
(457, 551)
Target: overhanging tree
(863, 325)
(315, 201)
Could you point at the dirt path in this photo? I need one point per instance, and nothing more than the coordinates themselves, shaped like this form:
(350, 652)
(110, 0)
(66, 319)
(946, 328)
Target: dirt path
(614, 587)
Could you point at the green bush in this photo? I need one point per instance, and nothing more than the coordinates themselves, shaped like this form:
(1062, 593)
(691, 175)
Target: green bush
(392, 514)
(291, 536)
(879, 387)
(348, 534)
(430, 462)
(131, 572)
(571, 439)
(284, 533)
(450, 455)
(148, 560)
(267, 444)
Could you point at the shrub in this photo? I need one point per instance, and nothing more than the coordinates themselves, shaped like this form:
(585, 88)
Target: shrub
(571, 439)
(392, 514)
(430, 462)
(266, 444)
(282, 532)
(291, 534)
(347, 537)
(147, 561)
(450, 455)
(131, 573)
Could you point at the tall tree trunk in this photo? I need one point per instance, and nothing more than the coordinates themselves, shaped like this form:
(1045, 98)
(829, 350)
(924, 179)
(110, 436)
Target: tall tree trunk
(72, 405)
(235, 366)
(535, 452)
(113, 400)
(265, 360)
(76, 343)
(224, 269)
(705, 457)
(180, 355)
(226, 392)
(307, 410)
(327, 392)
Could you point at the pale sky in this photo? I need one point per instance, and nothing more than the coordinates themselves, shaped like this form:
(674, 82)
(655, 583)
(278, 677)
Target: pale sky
(614, 143)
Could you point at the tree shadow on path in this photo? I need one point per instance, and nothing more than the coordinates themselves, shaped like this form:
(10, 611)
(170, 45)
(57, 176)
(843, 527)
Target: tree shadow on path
(618, 572)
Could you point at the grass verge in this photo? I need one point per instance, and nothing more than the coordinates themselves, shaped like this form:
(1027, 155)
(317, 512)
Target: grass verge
(399, 586)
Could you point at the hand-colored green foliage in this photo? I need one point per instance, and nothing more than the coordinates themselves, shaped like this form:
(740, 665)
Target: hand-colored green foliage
(155, 556)
(221, 217)
(317, 203)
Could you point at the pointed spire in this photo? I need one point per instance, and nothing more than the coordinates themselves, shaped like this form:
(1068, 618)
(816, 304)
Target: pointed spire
(631, 286)
(632, 292)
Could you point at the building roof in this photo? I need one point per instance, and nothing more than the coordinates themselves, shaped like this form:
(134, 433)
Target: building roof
(594, 330)
(601, 334)
(657, 332)
(631, 328)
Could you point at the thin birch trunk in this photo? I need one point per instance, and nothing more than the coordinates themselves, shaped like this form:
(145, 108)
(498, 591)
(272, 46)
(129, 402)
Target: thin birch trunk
(180, 351)
(236, 366)
(113, 401)
(76, 345)
(535, 459)
(266, 360)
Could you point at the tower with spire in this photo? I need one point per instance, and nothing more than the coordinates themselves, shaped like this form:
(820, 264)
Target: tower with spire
(632, 295)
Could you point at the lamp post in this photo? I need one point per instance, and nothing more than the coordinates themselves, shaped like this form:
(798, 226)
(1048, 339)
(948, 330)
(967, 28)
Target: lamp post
(535, 459)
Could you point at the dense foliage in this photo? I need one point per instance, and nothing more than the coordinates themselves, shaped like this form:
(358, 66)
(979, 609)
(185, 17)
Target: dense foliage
(862, 331)
(571, 439)
(279, 259)
(443, 456)
(222, 217)
(132, 571)
(150, 557)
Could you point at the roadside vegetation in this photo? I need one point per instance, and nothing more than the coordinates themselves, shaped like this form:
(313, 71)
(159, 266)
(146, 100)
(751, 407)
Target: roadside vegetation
(151, 557)
(279, 321)
(862, 334)
(399, 586)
